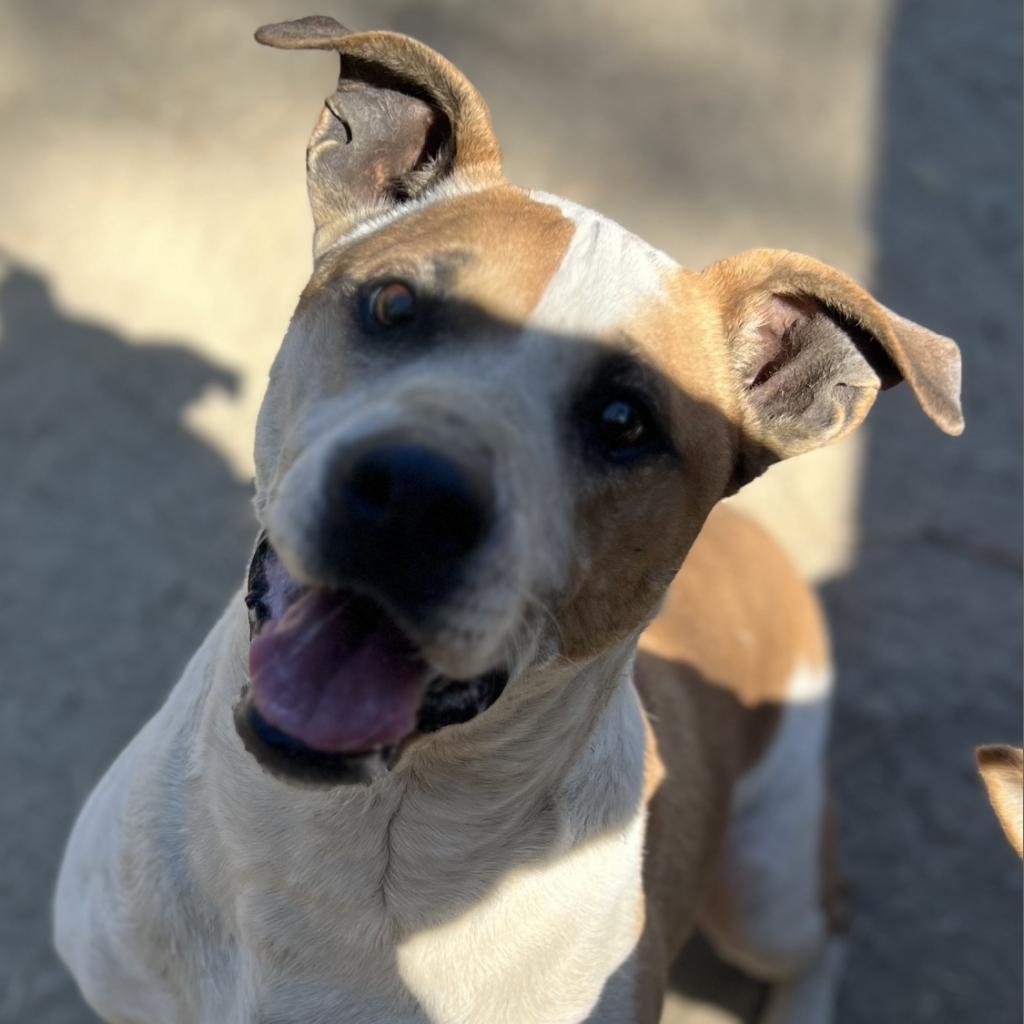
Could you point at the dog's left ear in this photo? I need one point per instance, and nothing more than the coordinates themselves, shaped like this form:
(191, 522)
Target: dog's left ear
(1002, 771)
(810, 350)
(401, 120)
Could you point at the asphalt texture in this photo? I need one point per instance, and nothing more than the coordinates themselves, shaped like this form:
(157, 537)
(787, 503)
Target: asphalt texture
(154, 236)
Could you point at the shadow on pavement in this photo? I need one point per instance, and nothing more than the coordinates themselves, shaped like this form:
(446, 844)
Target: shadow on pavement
(927, 627)
(122, 536)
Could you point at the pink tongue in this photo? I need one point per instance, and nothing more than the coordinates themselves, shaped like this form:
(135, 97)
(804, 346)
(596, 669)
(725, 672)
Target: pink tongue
(336, 674)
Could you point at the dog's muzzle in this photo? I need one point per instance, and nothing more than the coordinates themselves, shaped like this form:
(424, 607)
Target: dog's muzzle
(337, 687)
(403, 521)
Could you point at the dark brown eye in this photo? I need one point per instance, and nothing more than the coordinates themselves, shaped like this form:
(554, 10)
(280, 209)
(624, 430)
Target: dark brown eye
(622, 425)
(392, 304)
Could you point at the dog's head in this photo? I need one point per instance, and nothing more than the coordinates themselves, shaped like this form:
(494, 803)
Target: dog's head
(498, 420)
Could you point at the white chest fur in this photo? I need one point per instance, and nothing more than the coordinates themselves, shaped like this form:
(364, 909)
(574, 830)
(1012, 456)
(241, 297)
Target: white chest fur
(535, 943)
(539, 947)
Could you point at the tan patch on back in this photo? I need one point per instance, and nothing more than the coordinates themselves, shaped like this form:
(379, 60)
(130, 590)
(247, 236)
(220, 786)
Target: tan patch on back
(504, 248)
(739, 614)
(739, 611)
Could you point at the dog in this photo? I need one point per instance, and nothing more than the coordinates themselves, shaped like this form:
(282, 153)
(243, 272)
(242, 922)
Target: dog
(1002, 773)
(468, 746)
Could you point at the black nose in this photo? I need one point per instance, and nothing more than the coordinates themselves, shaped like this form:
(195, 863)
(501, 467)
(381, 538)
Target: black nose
(406, 519)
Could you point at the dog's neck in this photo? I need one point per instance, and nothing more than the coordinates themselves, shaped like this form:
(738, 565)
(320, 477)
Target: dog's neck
(561, 736)
(557, 762)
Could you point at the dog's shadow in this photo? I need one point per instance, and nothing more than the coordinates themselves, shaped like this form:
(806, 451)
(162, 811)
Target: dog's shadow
(121, 536)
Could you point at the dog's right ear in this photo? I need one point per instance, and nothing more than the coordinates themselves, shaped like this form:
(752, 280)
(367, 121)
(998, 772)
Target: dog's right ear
(1002, 771)
(402, 120)
(810, 350)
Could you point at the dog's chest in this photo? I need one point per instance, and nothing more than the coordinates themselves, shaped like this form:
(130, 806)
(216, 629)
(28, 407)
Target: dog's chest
(540, 944)
(496, 925)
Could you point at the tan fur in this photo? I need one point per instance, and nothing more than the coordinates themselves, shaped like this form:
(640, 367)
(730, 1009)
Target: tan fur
(765, 619)
(754, 636)
(1002, 771)
(531, 237)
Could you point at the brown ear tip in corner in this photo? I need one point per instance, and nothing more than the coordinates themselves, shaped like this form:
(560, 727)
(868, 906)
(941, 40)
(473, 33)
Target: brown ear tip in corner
(315, 32)
(997, 755)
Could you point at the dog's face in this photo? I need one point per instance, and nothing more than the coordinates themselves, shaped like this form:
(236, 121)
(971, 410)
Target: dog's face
(498, 420)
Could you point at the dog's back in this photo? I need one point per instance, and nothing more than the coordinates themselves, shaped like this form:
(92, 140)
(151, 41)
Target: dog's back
(740, 610)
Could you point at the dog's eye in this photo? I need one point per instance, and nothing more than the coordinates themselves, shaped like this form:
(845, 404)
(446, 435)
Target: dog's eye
(391, 304)
(623, 427)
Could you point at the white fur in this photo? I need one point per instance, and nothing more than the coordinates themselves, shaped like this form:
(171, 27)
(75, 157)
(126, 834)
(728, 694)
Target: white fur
(606, 274)
(768, 916)
(538, 948)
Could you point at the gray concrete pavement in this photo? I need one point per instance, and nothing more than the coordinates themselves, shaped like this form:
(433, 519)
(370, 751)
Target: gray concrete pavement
(154, 235)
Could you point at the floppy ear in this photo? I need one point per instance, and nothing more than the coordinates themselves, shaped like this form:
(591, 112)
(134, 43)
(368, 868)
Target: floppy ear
(1002, 771)
(402, 119)
(810, 350)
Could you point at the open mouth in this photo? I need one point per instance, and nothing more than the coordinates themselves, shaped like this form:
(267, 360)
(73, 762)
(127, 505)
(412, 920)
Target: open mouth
(337, 687)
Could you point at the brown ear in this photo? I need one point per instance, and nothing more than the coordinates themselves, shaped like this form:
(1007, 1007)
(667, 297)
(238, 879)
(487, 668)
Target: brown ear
(810, 350)
(402, 119)
(1002, 771)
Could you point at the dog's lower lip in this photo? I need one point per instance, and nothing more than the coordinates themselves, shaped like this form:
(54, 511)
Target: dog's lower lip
(274, 737)
(288, 759)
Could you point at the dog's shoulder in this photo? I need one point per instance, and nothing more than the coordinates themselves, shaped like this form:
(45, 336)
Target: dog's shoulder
(739, 614)
(740, 636)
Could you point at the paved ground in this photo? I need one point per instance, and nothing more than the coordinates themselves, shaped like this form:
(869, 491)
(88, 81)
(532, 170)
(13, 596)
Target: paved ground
(154, 235)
